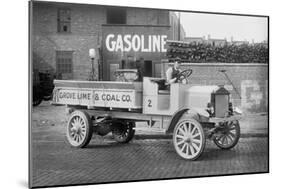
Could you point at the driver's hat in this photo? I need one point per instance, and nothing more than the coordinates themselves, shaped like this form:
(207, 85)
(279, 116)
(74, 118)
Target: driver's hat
(177, 59)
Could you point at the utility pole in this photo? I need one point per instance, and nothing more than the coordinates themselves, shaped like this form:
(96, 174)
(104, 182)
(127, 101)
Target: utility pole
(92, 54)
(179, 26)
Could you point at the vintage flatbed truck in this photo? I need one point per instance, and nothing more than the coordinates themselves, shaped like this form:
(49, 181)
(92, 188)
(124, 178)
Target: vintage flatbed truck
(192, 113)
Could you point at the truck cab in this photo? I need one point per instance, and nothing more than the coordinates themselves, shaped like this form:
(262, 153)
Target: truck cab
(162, 101)
(167, 101)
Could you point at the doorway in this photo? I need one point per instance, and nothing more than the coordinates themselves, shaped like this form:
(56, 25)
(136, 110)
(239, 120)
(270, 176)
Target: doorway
(147, 68)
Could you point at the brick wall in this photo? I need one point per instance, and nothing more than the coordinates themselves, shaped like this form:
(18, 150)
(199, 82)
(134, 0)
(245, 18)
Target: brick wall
(86, 33)
(147, 17)
(250, 80)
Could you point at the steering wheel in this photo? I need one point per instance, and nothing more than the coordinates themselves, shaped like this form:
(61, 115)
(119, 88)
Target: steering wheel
(183, 75)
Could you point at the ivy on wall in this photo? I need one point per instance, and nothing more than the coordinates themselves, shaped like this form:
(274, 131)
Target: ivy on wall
(228, 53)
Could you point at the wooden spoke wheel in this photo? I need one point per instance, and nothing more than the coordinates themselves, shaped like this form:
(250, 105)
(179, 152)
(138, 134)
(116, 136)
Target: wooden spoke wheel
(228, 135)
(123, 132)
(79, 129)
(189, 139)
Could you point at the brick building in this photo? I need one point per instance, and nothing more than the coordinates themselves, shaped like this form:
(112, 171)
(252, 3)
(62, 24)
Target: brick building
(63, 33)
(197, 40)
(209, 40)
(216, 42)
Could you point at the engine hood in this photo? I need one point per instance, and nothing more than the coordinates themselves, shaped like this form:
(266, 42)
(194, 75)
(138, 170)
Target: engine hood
(197, 97)
(208, 89)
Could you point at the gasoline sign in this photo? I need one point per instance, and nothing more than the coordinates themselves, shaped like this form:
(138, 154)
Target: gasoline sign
(136, 43)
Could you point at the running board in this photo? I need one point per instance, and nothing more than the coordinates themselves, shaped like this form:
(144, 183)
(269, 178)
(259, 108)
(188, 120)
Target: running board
(152, 130)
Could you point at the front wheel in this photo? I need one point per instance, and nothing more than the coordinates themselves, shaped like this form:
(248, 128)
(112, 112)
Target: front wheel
(189, 139)
(79, 129)
(123, 132)
(228, 135)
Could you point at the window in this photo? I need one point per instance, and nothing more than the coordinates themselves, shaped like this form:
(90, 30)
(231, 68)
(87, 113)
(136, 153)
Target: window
(116, 16)
(64, 20)
(64, 62)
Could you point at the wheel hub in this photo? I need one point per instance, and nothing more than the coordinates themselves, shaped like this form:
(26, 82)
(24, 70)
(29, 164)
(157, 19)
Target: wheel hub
(76, 129)
(188, 140)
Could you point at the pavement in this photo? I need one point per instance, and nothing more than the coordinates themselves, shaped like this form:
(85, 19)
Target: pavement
(55, 163)
(148, 156)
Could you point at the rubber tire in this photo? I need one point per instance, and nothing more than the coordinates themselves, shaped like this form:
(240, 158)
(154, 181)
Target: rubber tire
(203, 137)
(89, 128)
(235, 141)
(117, 131)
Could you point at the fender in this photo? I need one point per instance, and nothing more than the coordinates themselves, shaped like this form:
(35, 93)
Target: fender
(185, 113)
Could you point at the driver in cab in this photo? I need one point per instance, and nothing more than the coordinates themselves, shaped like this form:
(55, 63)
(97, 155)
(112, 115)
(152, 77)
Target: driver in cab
(173, 73)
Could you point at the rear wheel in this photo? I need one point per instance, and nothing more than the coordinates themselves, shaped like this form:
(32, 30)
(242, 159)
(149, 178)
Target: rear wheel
(228, 135)
(79, 129)
(123, 132)
(189, 139)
